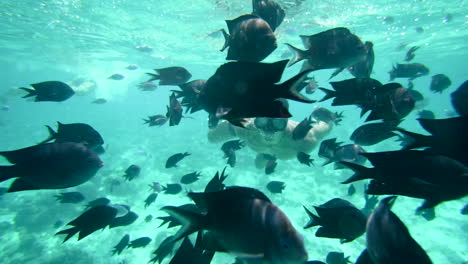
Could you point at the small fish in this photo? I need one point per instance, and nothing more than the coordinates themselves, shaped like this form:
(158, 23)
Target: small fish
(419, 29)
(426, 114)
(410, 54)
(70, 197)
(132, 172)
(270, 165)
(373, 133)
(144, 48)
(190, 177)
(439, 83)
(310, 85)
(52, 91)
(97, 202)
(156, 120)
(188, 253)
(148, 218)
(155, 187)
(132, 67)
(147, 86)
(337, 258)
(172, 188)
(428, 214)
(49, 166)
(459, 99)
(171, 75)
(388, 20)
(126, 219)
(174, 111)
(216, 183)
(464, 210)
(172, 221)
(189, 93)
(139, 242)
(116, 77)
(338, 218)
(164, 249)
(229, 149)
(96, 218)
(304, 158)
(409, 70)
(276, 186)
(123, 243)
(150, 199)
(336, 152)
(363, 69)
(174, 159)
(302, 129)
(388, 239)
(99, 101)
(351, 190)
(327, 116)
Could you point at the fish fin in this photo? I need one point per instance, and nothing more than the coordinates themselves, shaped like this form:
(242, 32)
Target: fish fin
(327, 232)
(31, 92)
(154, 77)
(191, 221)
(419, 140)
(52, 135)
(70, 232)
(227, 41)
(4, 173)
(313, 221)
(288, 88)
(298, 55)
(21, 185)
(364, 258)
(392, 73)
(427, 204)
(360, 172)
(328, 94)
(335, 73)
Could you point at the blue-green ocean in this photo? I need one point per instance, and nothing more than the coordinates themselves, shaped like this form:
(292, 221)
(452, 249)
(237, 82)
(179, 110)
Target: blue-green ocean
(69, 40)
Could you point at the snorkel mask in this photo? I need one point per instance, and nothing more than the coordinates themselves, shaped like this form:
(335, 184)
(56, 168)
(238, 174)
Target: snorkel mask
(270, 125)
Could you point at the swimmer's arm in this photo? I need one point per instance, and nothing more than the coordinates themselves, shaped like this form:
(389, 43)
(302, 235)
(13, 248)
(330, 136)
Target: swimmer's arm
(222, 132)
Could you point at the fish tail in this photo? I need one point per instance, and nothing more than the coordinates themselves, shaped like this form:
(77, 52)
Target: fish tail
(31, 92)
(298, 54)
(70, 232)
(52, 135)
(154, 77)
(191, 221)
(288, 88)
(328, 94)
(314, 220)
(419, 140)
(335, 73)
(226, 40)
(360, 172)
(4, 173)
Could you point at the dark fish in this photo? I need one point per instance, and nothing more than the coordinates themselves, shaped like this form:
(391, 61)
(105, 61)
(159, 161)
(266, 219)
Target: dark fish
(269, 11)
(327, 116)
(388, 19)
(235, 145)
(164, 249)
(244, 222)
(333, 48)
(302, 129)
(304, 158)
(230, 155)
(132, 67)
(174, 111)
(116, 76)
(310, 85)
(337, 258)
(151, 199)
(52, 91)
(410, 54)
(270, 166)
(388, 239)
(338, 218)
(351, 190)
(334, 151)
(125, 220)
(132, 172)
(371, 202)
(147, 86)
(459, 99)
(156, 120)
(148, 218)
(96, 218)
(172, 188)
(371, 134)
(99, 101)
(190, 177)
(97, 202)
(70, 197)
(439, 83)
(172, 221)
(75, 132)
(123, 243)
(174, 159)
(171, 76)
(428, 214)
(49, 166)
(243, 89)
(194, 254)
(426, 114)
(363, 69)
(189, 93)
(216, 183)
(276, 186)
(250, 39)
(419, 29)
(464, 210)
(408, 70)
(139, 242)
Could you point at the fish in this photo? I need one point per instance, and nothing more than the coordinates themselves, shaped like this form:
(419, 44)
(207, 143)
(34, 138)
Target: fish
(96, 218)
(155, 187)
(144, 48)
(428, 214)
(333, 48)
(116, 77)
(235, 145)
(174, 111)
(132, 67)
(217, 182)
(70, 197)
(464, 210)
(190, 177)
(147, 86)
(269, 11)
(388, 20)
(156, 120)
(304, 158)
(171, 75)
(49, 91)
(302, 129)
(230, 155)
(49, 166)
(426, 114)
(327, 116)
(172, 221)
(310, 85)
(148, 218)
(250, 39)
(439, 83)
(388, 239)
(408, 70)
(459, 99)
(99, 101)
(363, 69)
(351, 190)
(174, 159)
(270, 165)
(164, 249)
(245, 89)
(245, 223)
(337, 218)
(373, 133)
(334, 257)
(410, 54)
(123, 243)
(132, 172)
(126, 219)
(189, 93)
(194, 254)
(151, 199)
(172, 188)
(97, 202)
(334, 151)
(276, 186)
(419, 29)
(75, 132)
(139, 242)
(371, 202)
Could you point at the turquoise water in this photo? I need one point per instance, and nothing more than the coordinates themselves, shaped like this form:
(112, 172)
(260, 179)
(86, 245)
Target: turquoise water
(67, 40)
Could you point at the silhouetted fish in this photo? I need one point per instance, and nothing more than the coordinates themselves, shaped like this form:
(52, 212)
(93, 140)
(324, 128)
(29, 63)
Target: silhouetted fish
(139, 242)
(408, 70)
(171, 76)
(174, 111)
(276, 186)
(189, 93)
(351, 190)
(132, 172)
(172, 188)
(174, 159)
(53, 91)
(187, 253)
(116, 77)
(190, 177)
(250, 39)
(327, 116)
(150, 199)
(147, 86)
(216, 183)
(164, 249)
(70, 197)
(426, 114)
(121, 245)
(269, 11)
(334, 151)
(410, 54)
(371, 134)
(304, 158)
(270, 164)
(459, 99)
(156, 120)
(363, 69)
(99, 101)
(301, 130)
(337, 258)
(97, 202)
(439, 83)
(75, 132)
